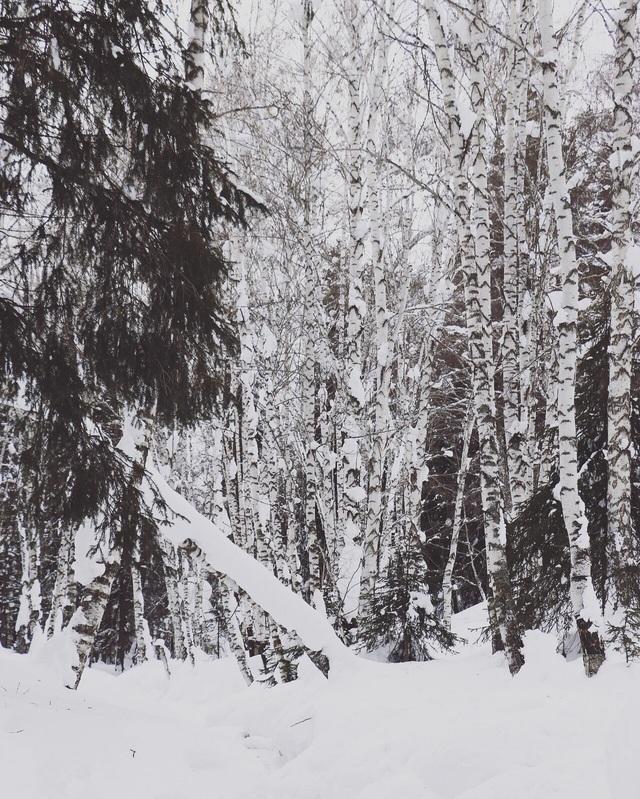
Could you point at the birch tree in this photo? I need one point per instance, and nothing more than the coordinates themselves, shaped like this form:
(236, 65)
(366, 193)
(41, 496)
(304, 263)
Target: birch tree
(474, 253)
(30, 599)
(320, 453)
(309, 356)
(86, 620)
(383, 346)
(356, 305)
(61, 600)
(515, 389)
(481, 344)
(583, 599)
(621, 288)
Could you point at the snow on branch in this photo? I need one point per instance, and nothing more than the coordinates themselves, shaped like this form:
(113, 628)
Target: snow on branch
(221, 554)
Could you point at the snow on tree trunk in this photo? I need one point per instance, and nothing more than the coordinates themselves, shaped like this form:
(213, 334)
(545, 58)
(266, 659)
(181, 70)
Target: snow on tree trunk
(477, 272)
(619, 405)
(583, 599)
(60, 599)
(141, 629)
(195, 57)
(383, 346)
(515, 422)
(190, 529)
(310, 331)
(481, 348)
(171, 571)
(30, 608)
(356, 306)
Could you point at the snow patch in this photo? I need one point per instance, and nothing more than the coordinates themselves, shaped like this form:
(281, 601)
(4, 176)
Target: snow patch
(459, 727)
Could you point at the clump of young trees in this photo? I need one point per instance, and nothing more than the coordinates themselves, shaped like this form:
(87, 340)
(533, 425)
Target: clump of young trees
(406, 387)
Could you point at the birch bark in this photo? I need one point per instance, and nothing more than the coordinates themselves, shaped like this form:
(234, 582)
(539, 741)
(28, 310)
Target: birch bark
(309, 355)
(195, 53)
(583, 599)
(619, 407)
(481, 342)
(86, 620)
(60, 600)
(30, 608)
(515, 405)
(142, 636)
(382, 414)
(356, 306)
(478, 308)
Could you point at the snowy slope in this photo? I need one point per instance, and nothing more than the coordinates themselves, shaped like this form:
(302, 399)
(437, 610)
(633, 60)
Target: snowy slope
(458, 727)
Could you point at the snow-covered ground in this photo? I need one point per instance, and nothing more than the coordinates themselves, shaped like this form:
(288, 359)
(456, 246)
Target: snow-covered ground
(456, 727)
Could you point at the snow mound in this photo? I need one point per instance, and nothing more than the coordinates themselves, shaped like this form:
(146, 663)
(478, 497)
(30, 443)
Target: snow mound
(459, 727)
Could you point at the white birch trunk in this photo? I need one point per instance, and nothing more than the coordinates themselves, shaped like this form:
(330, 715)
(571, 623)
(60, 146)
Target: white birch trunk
(619, 407)
(232, 481)
(231, 607)
(30, 607)
(383, 346)
(141, 628)
(195, 58)
(482, 357)
(527, 317)
(546, 449)
(583, 599)
(310, 332)
(60, 599)
(86, 620)
(515, 404)
(171, 570)
(478, 308)
(356, 306)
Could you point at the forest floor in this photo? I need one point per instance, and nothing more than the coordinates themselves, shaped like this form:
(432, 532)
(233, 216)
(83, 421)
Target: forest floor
(456, 727)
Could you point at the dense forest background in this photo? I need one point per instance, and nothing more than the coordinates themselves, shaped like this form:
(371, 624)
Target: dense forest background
(350, 285)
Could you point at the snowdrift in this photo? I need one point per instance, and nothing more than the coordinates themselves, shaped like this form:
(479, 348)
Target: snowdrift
(456, 728)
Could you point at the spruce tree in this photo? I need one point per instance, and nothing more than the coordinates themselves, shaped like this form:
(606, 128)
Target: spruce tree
(402, 618)
(114, 210)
